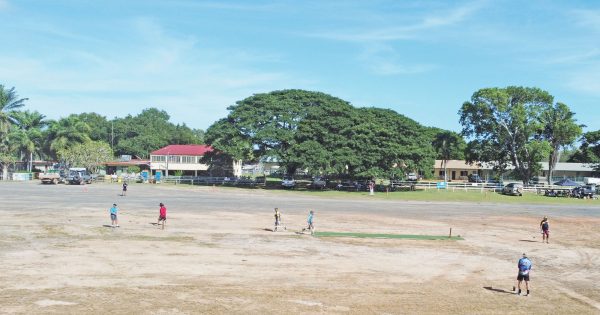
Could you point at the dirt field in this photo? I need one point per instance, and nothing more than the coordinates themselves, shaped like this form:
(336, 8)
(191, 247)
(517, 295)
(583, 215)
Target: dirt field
(215, 256)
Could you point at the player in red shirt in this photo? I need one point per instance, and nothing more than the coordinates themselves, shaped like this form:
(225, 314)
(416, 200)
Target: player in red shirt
(162, 216)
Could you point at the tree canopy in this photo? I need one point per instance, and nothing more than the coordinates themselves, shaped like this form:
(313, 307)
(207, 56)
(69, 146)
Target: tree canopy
(322, 134)
(504, 125)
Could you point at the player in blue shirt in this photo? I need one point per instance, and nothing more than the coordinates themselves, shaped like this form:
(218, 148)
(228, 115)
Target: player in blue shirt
(524, 269)
(311, 226)
(113, 215)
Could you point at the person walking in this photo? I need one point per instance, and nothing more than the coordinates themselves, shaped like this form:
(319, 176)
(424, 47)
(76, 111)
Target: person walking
(113, 216)
(310, 221)
(162, 215)
(545, 228)
(524, 266)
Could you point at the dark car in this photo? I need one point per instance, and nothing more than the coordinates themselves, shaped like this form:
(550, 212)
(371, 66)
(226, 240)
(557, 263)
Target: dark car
(587, 191)
(475, 178)
(318, 183)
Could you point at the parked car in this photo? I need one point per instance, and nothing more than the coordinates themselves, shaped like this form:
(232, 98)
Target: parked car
(587, 191)
(413, 177)
(288, 182)
(318, 183)
(79, 176)
(475, 178)
(514, 189)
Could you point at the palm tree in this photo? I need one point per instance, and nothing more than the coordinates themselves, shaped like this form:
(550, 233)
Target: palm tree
(29, 137)
(65, 132)
(9, 103)
(448, 145)
(561, 130)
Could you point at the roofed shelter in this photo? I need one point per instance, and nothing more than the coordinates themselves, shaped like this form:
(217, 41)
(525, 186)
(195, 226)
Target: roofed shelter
(186, 158)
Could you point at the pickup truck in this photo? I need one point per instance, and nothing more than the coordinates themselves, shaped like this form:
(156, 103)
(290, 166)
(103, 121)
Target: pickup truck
(50, 178)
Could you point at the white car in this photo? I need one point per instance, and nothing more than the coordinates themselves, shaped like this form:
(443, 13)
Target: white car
(288, 182)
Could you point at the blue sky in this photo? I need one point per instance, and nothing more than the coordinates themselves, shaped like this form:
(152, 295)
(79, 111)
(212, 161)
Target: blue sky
(195, 58)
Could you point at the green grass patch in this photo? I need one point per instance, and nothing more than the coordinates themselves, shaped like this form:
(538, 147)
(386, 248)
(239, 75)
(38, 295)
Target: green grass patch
(387, 236)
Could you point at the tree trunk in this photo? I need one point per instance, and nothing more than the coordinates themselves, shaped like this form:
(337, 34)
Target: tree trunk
(4, 171)
(445, 170)
(237, 168)
(554, 158)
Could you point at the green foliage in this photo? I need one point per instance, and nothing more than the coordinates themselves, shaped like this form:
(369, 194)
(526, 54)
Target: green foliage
(589, 151)
(66, 132)
(133, 169)
(505, 126)
(322, 134)
(100, 127)
(448, 145)
(90, 154)
(560, 130)
(9, 103)
(150, 130)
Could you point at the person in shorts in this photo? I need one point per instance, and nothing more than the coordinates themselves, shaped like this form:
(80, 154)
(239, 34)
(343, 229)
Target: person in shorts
(124, 189)
(545, 227)
(113, 216)
(162, 215)
(277, 219)
(524, 266)
(310, 221)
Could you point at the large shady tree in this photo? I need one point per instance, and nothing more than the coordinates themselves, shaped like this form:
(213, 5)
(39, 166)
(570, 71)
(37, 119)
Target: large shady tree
(504, 125)
(560, 130)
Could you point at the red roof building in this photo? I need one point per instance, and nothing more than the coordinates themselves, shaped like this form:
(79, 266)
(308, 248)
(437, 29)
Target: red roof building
(183, 158)
(184, 149)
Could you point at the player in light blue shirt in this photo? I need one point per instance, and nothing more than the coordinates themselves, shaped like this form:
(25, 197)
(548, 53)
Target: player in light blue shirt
(113, 215)
(310, 221)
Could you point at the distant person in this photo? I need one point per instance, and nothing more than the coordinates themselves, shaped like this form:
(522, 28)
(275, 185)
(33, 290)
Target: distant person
(277, 219)
(310, 221)
(113, 216)
(524, 266)
(124, 193)
(162, 215)
(545, 227)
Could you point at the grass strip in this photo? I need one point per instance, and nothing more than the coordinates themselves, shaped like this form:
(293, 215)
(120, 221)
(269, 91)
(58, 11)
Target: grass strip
(387, 236)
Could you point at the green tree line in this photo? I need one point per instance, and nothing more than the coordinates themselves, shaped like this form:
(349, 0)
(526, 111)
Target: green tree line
(85, 139)
(509, 127)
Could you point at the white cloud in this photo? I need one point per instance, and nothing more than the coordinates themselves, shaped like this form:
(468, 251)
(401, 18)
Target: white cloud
(382, 59)
(574, 57)
(156, 68)
(408, 31)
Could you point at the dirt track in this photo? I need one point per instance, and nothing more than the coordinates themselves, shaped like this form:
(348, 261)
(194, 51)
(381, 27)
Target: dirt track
(215, 256)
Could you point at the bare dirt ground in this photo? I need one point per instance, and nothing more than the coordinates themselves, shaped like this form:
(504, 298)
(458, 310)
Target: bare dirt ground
(215, 256)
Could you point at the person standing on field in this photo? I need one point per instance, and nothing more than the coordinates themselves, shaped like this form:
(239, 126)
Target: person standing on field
(162, 215)
(113, 216)
(277, 219)
(545, 227)
(124, 189)
(524, 266)
(310, 221)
